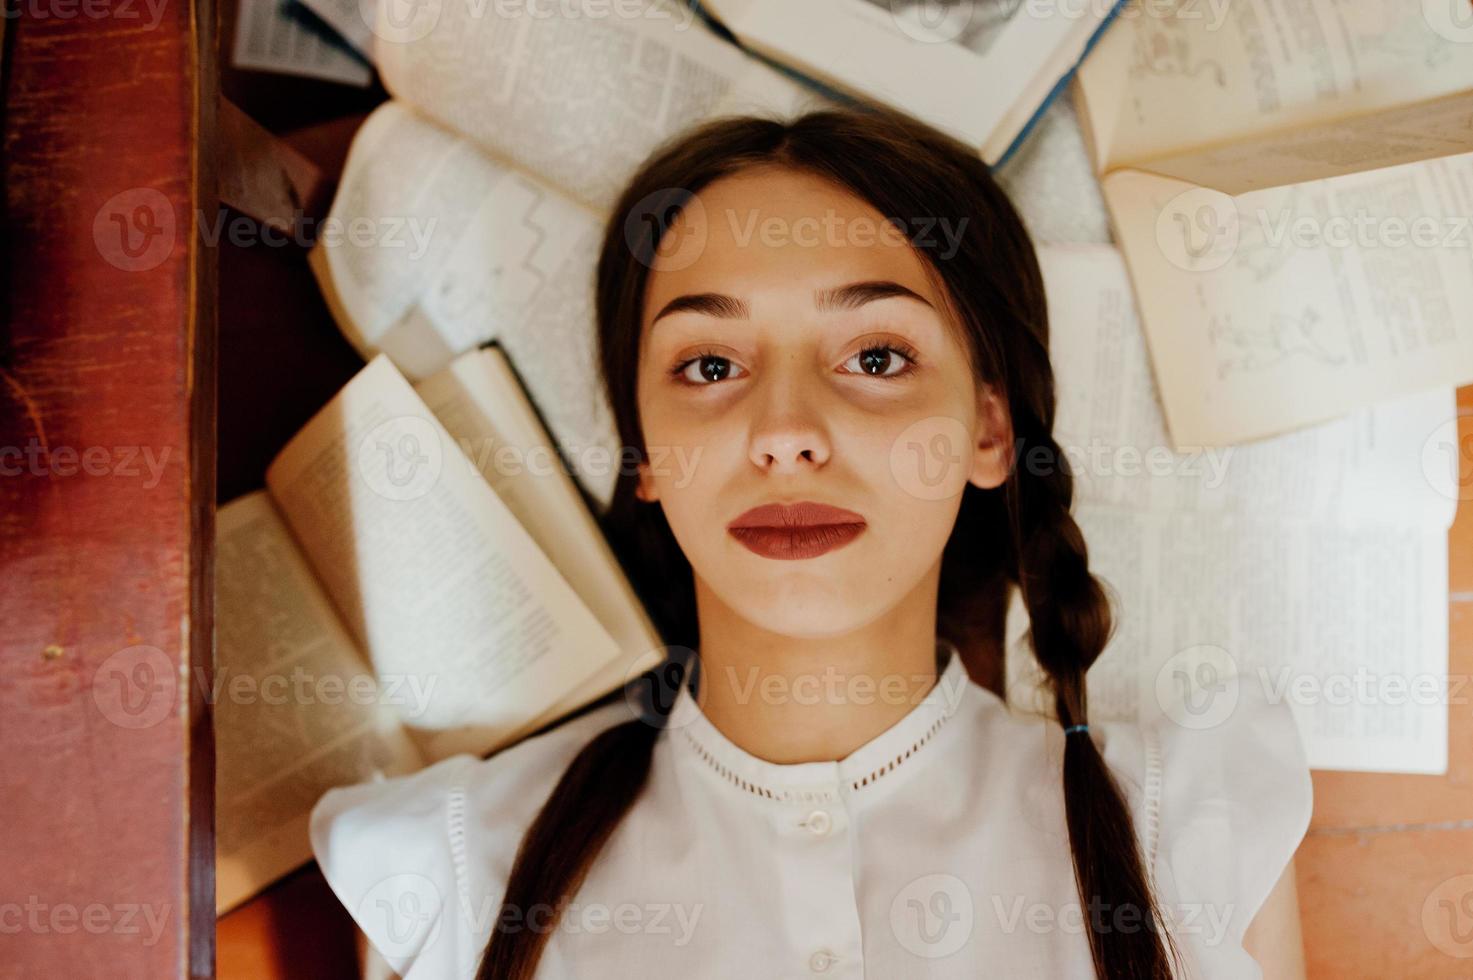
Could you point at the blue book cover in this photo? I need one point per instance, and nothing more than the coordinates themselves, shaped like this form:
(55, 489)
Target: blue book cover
(848, 99)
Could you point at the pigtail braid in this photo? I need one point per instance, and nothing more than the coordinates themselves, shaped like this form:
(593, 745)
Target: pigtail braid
(588, 803)
(1071, 622)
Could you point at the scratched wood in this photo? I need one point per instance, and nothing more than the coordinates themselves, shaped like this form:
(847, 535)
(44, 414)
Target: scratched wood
(107, 399)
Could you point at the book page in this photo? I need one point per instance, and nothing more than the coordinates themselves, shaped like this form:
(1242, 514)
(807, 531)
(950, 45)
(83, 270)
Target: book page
(579, 98)
(297, 710)
(270, 36)
(1402, 134)
(431, 573)
(1349, 627)
(482, 405)
(407, 199)
(1276, 309)
(506, 257)
(1365, 467)
(1172, 77)
(347, 17)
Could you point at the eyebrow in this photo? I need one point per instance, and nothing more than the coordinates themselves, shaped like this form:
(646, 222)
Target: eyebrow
(837, 299)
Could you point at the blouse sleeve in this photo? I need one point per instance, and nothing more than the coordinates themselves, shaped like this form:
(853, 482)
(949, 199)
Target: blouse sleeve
(398, 853)
(384, 850)
(1226, 798)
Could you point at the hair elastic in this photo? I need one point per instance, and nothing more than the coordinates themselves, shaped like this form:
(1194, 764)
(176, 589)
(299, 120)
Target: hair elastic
(1076, 728)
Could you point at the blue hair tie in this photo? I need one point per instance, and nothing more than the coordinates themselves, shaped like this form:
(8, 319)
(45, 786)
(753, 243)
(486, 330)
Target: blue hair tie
(1076, 728)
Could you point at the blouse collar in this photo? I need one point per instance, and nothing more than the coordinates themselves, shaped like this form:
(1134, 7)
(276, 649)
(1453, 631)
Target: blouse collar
(695, 736)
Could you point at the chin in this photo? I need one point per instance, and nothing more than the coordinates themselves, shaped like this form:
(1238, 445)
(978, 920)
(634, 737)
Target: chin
(795, 603)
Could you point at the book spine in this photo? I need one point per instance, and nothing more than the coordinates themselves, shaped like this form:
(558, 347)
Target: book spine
(1059, 86)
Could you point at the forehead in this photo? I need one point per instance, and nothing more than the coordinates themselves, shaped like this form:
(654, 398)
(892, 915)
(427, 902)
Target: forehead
(773, 236)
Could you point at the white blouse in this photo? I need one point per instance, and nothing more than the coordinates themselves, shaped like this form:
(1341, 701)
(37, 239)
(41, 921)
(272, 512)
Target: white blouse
(937, 849)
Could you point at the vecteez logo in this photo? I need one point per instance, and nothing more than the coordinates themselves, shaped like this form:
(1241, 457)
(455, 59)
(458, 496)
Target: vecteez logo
(135, 230)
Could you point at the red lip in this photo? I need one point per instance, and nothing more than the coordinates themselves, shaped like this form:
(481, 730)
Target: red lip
(791, 531)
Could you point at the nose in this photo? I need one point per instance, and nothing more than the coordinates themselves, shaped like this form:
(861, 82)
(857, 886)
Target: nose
(788, 434)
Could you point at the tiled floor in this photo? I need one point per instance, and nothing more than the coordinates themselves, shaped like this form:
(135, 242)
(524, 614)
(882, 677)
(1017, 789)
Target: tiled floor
(1386, 872)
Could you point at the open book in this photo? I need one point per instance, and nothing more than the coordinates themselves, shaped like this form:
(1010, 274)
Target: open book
(482, 188)
(1291, 186)
(419, 578)
(981, 71)
(1312, 563)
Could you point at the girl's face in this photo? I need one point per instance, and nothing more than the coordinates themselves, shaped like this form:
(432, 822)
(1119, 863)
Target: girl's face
(794, 349)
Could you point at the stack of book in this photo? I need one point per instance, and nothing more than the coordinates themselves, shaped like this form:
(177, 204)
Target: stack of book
(420, 577)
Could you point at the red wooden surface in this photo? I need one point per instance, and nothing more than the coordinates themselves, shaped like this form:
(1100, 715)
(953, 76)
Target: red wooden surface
(107, 360)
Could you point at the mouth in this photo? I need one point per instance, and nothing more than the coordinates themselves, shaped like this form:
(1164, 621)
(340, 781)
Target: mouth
(794, 531)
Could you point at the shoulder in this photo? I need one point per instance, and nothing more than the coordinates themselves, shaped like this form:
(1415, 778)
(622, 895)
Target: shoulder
(395, 851)
(1223, 797)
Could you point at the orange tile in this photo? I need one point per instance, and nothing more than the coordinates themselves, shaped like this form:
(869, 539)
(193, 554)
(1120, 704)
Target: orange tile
(1391, 904)
(1460, 548)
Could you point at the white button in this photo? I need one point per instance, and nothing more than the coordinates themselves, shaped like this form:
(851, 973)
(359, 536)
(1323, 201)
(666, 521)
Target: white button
(820, 961)
(819, 822)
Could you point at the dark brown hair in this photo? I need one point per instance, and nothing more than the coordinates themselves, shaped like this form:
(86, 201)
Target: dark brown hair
(1018, 533)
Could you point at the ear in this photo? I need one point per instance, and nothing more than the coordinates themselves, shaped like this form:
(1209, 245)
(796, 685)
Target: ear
(645, 488)
(992, 455)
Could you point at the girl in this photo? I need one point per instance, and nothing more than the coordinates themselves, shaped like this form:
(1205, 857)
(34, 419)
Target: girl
(840, 321)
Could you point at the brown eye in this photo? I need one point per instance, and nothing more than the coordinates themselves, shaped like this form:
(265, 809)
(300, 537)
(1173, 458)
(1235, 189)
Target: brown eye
(708, 369)
(882, 361)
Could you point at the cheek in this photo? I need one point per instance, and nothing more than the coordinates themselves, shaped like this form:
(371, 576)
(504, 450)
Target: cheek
(683, 430)
(692, 458)
(927, 525)
(916, 454)
(927, 449)
(917, 517)
(916, 468)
